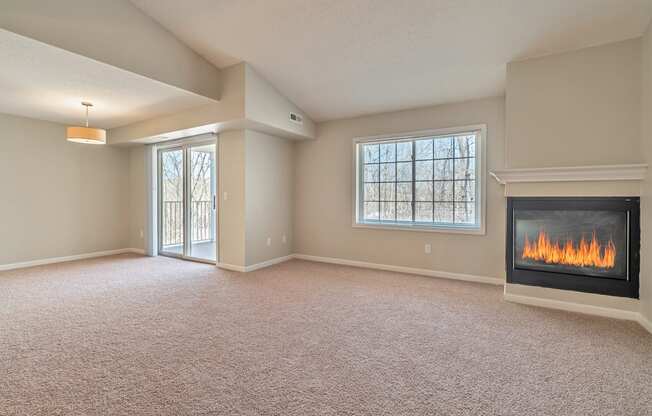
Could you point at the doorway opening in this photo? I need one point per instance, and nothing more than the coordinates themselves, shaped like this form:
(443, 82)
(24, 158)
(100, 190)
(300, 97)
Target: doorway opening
(187, 203)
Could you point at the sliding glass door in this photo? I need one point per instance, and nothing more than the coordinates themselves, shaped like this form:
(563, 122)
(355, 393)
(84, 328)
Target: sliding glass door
(187, 202)
(171, 196)
(202, 202)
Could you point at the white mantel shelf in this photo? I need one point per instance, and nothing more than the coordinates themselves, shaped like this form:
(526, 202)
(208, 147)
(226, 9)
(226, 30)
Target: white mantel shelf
(572, 174)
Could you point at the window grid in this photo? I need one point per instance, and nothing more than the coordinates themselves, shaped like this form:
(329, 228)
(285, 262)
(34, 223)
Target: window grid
(439, 197)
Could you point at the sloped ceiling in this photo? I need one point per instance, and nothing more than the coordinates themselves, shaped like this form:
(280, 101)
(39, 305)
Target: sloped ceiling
(342, 58)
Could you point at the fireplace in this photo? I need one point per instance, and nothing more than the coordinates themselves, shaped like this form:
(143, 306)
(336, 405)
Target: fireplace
(583, 244)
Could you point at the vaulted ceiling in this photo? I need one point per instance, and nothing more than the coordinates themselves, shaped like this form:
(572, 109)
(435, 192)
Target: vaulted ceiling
(342, 58)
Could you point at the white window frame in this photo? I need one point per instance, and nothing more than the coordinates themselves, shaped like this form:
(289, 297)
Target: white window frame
(477, 229)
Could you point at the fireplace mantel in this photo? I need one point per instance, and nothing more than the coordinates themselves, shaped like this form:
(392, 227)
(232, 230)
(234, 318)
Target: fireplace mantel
(635, 172)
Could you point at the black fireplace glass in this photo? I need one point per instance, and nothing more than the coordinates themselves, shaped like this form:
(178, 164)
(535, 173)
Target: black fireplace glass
(584, 244)
(576, 242)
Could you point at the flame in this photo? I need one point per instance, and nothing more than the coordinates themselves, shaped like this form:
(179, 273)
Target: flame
(586, 253)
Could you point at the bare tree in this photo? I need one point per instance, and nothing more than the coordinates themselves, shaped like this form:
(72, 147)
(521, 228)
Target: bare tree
(172, 182)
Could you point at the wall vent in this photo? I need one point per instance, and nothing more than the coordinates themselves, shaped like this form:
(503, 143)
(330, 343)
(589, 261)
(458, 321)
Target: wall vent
(296, 118)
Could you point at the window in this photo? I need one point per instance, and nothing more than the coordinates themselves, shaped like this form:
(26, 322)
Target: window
(430, 180)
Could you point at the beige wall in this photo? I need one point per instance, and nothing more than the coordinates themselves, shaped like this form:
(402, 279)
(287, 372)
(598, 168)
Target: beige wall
(646, 217)
(137, 197)
(267, 106)
(229, 108)
(59, 198)
(248, 102)
(577, 108)
(231, 179)
(323, 195)
(269, 176)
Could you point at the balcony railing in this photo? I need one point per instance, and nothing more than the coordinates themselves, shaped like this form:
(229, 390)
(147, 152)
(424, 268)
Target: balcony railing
(202, 221)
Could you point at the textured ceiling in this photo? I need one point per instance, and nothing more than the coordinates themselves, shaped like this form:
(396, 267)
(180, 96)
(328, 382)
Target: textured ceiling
(342, 58)
(47, 83)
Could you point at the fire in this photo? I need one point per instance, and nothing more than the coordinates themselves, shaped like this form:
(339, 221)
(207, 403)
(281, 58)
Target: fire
(586, 253)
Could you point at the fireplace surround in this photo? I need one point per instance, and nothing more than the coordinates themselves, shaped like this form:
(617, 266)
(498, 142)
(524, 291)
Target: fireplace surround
(586, 244)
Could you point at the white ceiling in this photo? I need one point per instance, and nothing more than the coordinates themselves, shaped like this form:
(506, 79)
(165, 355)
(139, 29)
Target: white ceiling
(47, 83)
(342, 58)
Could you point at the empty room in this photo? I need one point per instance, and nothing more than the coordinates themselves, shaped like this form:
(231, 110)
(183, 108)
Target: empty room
(326, 207)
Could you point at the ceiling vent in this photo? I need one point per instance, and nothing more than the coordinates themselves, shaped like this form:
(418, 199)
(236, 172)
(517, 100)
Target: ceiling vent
(296, 118)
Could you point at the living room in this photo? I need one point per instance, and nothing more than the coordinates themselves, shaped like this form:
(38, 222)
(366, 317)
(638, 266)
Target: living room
(329, 207)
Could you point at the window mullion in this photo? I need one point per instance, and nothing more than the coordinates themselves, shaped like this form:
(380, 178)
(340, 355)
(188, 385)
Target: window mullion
(380, 215)
(432, 181)
(454, 184)
(395, 182)
(414, 167)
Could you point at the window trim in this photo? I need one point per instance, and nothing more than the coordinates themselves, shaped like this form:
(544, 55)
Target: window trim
(480, 171)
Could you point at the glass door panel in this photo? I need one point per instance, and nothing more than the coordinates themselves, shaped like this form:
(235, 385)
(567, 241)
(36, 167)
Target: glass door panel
(187, 184)
(171, 185)
(203, 244)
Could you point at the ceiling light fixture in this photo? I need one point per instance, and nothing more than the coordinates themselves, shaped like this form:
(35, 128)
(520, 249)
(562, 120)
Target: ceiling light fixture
(86, 134)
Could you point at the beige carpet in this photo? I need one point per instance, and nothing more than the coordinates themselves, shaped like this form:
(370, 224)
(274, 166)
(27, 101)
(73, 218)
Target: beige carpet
(129, 335)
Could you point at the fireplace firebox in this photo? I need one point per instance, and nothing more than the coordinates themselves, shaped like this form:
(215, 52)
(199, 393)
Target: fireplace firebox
(582, 244)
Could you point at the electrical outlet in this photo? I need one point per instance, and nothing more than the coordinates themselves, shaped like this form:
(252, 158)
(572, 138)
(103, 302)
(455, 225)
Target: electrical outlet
(269, 241)
(226, 196)
(427, 249)
(284, 239)
(142, 233)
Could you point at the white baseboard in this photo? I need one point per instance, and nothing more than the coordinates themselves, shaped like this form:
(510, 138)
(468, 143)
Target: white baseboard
(268, 263)
(645, 323)
(232, 267)
(403, 269)
(52, 260)
(245, 269)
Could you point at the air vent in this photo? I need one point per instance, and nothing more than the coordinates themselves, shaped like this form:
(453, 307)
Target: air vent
(296, 118)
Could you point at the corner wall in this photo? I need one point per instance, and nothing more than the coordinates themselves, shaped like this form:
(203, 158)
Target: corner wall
(269, 196)
(256, 172)
(59, 198)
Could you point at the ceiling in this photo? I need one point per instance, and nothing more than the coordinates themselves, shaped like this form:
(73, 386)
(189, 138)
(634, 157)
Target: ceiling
(43, 82)
(342, 58)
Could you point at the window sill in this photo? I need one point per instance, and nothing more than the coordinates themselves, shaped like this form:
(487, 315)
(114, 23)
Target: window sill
(422, 228)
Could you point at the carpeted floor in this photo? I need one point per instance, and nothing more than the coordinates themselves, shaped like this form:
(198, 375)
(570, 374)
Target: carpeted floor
(130, 335)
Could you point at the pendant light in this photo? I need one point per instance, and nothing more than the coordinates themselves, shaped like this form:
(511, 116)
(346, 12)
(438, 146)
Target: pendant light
(86, 134)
